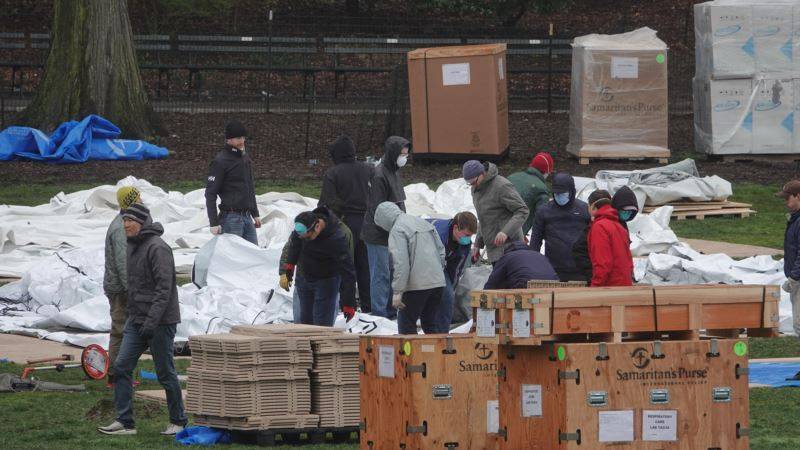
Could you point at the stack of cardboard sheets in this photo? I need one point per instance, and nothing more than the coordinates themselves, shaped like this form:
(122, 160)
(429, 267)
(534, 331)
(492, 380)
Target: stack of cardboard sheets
(334, 381)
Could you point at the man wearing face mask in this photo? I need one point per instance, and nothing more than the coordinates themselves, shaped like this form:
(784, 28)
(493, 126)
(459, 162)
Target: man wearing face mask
(456, 236)
(560, 223)
(384, 186)
(501, 211)
(626, 204)
(531, 186)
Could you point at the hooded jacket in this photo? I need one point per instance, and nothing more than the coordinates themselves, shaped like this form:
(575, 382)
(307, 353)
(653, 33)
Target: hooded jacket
(346, 184)
(624, 197)
(534, 192)
(456, 255)
(328, 255)
(560, 227)
(385, 186)
(115, 277)
(791, 245)
(415, 249)
(152, 288)
(499, 208)
(231, 178)
(519, 265)
(609, 250)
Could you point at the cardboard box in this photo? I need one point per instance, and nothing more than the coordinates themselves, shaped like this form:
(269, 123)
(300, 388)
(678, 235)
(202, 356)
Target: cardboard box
(459, 101)
(724, 119)
(618, 103)
(773, 121)
(772, 31)
(724, 41)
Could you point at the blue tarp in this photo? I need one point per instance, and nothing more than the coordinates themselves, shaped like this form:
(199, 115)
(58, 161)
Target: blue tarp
(75, 142)
(774, 373)
(203, 436)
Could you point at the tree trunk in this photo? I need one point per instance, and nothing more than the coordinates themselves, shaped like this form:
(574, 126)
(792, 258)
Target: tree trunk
(92, 69)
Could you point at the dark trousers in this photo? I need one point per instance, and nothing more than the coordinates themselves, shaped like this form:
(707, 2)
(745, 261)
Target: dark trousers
(161, 347)
(354, 222)
(420, 305)
(318, 300)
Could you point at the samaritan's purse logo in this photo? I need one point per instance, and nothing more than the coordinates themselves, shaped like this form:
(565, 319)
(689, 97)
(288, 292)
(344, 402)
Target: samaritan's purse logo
(487, 361)
(482, 351)
(641, 358)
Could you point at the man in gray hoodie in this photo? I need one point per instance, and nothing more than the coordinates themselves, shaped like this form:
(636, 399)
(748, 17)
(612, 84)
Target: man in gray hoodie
(418, 261)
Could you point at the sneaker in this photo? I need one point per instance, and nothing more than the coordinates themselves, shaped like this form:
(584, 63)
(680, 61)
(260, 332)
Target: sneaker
(116, 428)
(172, 430)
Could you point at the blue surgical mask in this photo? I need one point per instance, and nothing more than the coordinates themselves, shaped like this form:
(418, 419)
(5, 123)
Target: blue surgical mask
(561, 199)
(465, 240)
(299, 228)
(626, 215)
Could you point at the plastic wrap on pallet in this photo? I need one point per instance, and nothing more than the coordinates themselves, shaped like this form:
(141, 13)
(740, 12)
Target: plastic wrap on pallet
(618, 104)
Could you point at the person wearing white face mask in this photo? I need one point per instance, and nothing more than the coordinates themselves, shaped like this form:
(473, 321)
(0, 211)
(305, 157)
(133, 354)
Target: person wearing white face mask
(559, 224)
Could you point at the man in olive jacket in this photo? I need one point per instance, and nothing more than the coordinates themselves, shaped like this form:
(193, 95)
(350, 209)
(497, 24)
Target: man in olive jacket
(153, 315)
(530, 183)
(501, 211)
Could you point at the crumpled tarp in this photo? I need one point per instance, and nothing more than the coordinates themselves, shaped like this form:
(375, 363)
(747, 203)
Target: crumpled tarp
(774, 374)
(203, 436)
(75, 142)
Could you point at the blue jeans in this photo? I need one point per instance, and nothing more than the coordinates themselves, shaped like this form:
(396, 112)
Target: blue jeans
(240, 224)
(422, 305)
(444, 315)
(380, 288)
(318, 300)
(161, 347)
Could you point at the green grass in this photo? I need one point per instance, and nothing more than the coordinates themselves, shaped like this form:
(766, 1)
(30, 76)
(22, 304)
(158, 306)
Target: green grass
(781, 347)
(773, 418)
(764, 228)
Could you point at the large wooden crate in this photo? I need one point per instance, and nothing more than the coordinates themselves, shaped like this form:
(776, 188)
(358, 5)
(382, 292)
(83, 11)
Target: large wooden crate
(530, 316)
(632, 395)
(426, 392)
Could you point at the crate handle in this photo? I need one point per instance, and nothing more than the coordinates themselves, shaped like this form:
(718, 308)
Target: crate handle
(659, 396)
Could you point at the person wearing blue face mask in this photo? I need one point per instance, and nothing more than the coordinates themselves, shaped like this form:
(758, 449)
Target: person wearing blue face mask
(626, 204)
(456, 236)
(559, 223)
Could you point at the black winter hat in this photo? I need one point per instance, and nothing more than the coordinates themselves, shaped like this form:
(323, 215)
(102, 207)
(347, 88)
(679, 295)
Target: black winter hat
(624, 198)
(234, 129)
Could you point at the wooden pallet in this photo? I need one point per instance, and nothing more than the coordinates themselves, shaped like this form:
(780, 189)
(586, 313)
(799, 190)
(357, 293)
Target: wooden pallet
(585, 157)
(757, 158)
(700, 215)
(699, 210)
(303, 436)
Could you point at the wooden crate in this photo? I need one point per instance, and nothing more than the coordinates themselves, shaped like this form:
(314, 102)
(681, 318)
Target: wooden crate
(432, 391)
(556, 396)
(609, 314)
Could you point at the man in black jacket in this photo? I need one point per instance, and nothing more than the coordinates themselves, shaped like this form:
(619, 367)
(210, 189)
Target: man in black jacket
(385, 186)
(319, 249)
(231, 178)
(153, 316)
(518, 265)
(344, 191)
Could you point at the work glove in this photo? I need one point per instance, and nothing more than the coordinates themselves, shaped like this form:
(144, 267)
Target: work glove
(476, 254)
(397, 301)
(216, 230)
(789, 285)
(147, 332)
(286, 282)
(348, 312)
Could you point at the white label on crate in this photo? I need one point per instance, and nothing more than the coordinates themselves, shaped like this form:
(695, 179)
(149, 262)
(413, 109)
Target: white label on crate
(521, 327)
(391, 41)
(500, 68)
(660, 425)
(485, 325)
(386, 361)
(455, 74)
(615, 426)
(428, 348)
(531, 400)
(624, 67)
(247, 39)
(492, 416)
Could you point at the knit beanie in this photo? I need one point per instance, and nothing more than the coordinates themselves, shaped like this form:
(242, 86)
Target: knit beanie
(126, 196)
(543, 162)
(234, 129)
(472, 169)
(136, 212)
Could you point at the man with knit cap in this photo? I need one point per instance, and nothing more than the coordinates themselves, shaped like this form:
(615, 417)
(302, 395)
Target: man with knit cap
(153, 316)
(530, 183)
(115, 278)
(231, 179)
(501, 211)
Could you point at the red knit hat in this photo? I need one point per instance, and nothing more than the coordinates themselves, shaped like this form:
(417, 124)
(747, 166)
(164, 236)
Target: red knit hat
(543, 162)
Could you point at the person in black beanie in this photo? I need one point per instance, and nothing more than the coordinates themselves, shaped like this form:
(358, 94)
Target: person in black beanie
(231, 179)
(626, 204)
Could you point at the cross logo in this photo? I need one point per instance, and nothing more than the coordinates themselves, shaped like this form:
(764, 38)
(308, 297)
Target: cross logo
(641, 358)
(605, 95)
(482, 351)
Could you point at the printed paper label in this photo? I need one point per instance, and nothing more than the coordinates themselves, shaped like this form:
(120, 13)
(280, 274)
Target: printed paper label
(521, 323)
(455, 74)
(624, 67)
(492, 416)
(427, 348)
(615, 426)
(660, 425)
(386, 361)
(531, 400)
(485, 325)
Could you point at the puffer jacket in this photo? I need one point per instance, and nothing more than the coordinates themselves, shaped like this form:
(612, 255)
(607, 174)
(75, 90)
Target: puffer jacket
(115, 278)
(346, 184)
(560, 227)
(609, 250)
(499, 208)
(533, 190)
(791, 245)
(385, 186)
(415, 249)
(152, 288)
(519, 265)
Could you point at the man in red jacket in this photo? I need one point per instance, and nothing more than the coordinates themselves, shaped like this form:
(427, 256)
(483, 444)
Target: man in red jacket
(609, 247)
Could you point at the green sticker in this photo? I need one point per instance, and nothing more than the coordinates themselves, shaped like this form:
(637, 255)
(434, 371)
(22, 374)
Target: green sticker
(407, 348)
(660, 58)
(740, 348)
(562, 353)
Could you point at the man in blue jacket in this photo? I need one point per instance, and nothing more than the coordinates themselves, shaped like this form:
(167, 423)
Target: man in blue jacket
(518, 265)
(791, 245)
(456, 235)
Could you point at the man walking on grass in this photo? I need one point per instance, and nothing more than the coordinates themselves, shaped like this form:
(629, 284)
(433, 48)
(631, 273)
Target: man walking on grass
(791, 244)
(153, 315)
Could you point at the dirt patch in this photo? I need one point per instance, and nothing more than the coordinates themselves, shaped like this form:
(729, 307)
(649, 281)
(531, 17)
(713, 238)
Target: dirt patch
(103, 410)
